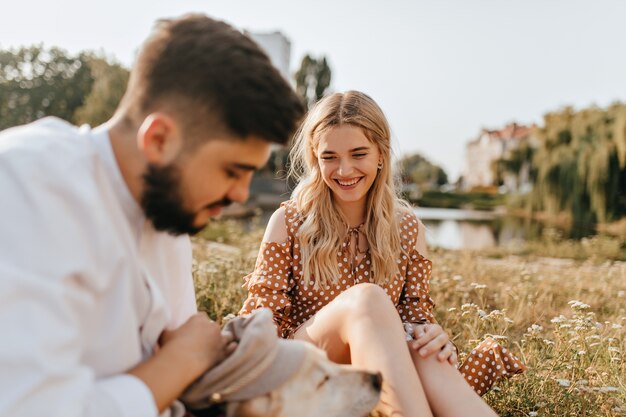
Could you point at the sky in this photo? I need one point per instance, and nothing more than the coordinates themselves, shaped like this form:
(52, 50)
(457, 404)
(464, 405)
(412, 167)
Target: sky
(440, 69)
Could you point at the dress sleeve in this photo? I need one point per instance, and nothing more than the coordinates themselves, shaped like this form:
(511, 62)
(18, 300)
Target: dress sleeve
(415, 304)
(270, 283)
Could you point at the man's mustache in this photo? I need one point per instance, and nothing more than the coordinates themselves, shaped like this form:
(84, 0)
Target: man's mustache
(225, 202)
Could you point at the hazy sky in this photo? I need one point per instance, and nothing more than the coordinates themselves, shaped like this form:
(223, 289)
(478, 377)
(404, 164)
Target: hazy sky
(441, 70)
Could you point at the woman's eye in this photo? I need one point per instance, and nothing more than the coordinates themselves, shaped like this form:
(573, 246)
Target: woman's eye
(359, 155)
(327, 158)
(231, 174)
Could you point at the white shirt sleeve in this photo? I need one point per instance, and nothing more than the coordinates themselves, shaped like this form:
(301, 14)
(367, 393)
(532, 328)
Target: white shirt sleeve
(47, 303)
(182, 294)
(40, 355)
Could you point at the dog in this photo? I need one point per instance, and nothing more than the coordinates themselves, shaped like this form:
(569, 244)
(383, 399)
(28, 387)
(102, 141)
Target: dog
(269, 376)
(319, 388)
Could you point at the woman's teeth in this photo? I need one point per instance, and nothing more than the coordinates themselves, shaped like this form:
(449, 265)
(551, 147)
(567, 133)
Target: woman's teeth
(348, 183)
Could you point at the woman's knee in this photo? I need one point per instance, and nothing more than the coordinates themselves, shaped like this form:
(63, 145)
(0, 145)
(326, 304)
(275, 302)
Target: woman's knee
(369, 300)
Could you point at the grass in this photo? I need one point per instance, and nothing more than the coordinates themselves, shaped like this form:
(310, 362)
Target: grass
(596, 249)
(562, 311)
(467, 200)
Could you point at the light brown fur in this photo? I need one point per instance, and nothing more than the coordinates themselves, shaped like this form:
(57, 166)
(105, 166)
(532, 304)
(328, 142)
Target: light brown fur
(319, 388)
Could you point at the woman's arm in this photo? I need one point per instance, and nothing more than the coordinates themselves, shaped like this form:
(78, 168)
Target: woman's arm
(276, 230)
(416, 306)
(270, 282)
(420, 243)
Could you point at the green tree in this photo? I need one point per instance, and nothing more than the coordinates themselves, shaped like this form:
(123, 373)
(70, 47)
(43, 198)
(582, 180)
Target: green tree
(518, 162)
(312, 82)
(417, 169)
(37, 82)
(109, 85)
(312, 79)
(581, 165)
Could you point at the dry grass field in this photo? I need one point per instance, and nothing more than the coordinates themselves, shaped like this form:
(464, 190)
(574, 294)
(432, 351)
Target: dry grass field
(560, 306)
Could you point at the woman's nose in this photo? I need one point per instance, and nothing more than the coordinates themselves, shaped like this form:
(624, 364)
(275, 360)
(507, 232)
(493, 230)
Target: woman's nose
(345, 168)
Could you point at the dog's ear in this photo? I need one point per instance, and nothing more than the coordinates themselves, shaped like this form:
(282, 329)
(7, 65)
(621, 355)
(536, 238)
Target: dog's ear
(263, 406)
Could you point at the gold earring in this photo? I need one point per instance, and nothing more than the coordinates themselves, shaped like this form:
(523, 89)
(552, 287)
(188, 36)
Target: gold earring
(380, 165)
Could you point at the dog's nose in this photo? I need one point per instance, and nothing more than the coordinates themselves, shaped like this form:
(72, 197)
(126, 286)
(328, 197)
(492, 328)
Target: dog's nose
(377, 381)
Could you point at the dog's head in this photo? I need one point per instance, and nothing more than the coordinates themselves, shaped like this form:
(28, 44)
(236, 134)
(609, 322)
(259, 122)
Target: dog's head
(269, 376)
(319, 388)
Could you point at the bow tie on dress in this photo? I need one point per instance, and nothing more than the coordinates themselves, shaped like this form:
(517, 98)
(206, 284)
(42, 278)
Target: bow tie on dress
(355, 252)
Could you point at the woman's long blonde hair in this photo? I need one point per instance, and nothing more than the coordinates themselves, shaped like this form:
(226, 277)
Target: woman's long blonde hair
(324, 228)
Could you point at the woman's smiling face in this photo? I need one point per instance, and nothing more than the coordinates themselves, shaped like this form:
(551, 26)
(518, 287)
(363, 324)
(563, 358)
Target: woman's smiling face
(348, 162)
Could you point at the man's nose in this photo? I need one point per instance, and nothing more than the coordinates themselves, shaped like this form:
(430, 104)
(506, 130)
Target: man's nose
(240, 191)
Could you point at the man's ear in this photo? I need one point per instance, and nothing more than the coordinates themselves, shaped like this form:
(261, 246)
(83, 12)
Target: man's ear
(159, 138)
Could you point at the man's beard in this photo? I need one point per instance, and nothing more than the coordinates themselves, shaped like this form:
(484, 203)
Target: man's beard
(162, 201)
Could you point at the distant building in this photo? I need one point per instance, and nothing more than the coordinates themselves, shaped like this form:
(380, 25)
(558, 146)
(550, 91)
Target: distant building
(278, 47)
(482, 153)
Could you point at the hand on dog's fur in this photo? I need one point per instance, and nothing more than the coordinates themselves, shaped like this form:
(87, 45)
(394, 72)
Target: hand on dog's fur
(200, 341)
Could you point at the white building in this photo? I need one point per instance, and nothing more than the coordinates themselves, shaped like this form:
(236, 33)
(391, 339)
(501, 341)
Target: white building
(490, 146)
(278, 48)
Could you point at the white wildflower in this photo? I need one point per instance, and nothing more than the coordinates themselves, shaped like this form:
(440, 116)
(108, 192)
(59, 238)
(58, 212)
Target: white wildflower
(497, 336)
(559, 319)
(564, 382)
(604, 390)
(578, 305)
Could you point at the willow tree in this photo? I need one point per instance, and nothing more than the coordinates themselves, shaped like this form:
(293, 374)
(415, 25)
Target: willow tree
(581, 165)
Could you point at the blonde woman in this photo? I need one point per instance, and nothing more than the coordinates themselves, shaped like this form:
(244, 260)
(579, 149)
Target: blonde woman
(342, 266)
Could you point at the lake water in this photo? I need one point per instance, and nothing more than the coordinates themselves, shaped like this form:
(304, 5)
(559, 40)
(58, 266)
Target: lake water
(471, 229)
(468, 229)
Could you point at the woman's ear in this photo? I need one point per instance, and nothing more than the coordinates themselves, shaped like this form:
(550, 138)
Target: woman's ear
(159, 139)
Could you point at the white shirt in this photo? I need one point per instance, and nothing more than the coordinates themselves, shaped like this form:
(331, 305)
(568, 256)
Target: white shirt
(86, 283)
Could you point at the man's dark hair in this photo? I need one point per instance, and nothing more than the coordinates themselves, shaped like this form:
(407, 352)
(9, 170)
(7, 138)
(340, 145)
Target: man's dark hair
(214, 77)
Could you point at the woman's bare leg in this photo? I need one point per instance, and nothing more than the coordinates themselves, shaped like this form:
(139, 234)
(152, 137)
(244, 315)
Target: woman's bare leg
(447, 391)
(362, 327)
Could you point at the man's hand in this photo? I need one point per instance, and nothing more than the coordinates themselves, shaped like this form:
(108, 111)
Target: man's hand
(431, 338)
(184, 355)
(200, 340)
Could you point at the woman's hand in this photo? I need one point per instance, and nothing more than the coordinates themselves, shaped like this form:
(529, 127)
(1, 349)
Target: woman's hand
(431, 338)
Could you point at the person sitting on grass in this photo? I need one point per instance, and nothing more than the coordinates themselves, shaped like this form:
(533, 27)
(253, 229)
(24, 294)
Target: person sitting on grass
(97, 304)
(343, 266)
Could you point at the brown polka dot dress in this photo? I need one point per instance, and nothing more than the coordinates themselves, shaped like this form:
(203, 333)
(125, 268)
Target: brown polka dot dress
(276, 283)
